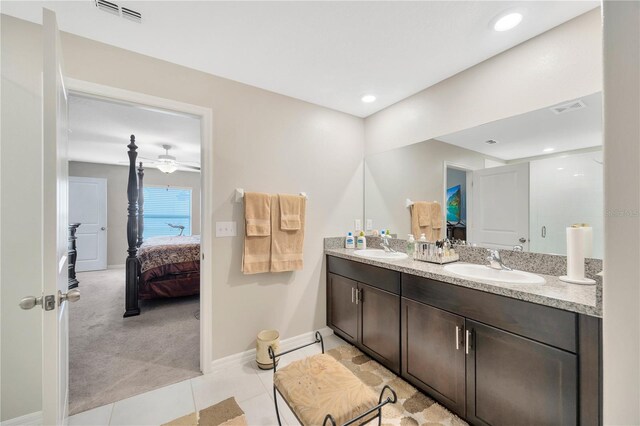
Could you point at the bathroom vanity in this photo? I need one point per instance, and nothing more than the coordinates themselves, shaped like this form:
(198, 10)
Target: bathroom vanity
(493, 353)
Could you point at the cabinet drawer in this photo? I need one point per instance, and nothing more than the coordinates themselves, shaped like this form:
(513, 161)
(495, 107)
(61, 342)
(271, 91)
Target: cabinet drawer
(381, 278)
(541, 323)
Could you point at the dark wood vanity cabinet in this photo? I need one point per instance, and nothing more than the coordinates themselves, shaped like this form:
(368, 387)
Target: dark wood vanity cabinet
(433, 357)
(364, 309)
(510, 377)
(491, 359)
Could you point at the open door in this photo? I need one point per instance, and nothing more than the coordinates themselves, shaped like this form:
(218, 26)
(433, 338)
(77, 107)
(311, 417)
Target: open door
(55, 336)
(501, 207)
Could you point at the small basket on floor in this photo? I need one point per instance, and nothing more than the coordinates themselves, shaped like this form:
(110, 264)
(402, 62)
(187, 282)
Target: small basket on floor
(320, 390)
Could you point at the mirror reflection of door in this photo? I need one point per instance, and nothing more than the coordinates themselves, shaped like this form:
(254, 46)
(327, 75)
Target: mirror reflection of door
(501, 207)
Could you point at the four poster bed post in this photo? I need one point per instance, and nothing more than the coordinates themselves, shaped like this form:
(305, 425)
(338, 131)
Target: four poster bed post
(134, 231)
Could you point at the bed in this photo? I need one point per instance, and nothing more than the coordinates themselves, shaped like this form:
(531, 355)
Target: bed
(161, 266)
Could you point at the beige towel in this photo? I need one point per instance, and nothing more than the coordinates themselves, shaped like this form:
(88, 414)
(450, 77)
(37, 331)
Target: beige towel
(418, 209)
(290, 212)
(435, 215)
(286, 246)
(256, 256)
(257, 214)
(423, 210)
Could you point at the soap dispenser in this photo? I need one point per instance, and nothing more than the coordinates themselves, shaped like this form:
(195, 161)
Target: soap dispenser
(361, 242)
(350, 241)
(411, 247)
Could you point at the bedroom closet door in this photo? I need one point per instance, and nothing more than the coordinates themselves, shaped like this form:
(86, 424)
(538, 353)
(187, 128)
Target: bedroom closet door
(88, 207)
(55, 300)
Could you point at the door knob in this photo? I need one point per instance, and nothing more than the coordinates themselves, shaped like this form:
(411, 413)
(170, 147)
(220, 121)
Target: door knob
(102, 228)
(30, 302)
(71, 296)
(522, 240)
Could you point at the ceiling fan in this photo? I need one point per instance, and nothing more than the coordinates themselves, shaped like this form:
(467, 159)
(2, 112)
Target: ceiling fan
(167, 163)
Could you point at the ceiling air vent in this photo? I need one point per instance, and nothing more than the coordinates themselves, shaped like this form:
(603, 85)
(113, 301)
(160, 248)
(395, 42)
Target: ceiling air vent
(568, 107)
(132, 15)
(491, 142)
(107, 6)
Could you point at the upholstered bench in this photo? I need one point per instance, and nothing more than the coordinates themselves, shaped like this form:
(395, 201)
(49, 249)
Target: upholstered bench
(321, 391)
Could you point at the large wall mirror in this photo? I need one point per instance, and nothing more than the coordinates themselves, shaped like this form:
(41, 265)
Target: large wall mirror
(517, 183)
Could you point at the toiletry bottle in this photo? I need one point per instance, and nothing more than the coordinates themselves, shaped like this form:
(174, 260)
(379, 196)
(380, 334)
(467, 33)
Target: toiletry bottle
(411, 247)
(423, 238)
(361, 242)
(350, 241)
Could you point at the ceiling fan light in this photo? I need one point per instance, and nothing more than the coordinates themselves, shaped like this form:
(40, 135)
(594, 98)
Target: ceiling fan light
(167, 167)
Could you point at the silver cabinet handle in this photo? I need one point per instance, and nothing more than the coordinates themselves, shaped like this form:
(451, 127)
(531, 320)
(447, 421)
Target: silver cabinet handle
(353, 295)
(457, 337)
(466, 343)
(357, 296)
(544, 232)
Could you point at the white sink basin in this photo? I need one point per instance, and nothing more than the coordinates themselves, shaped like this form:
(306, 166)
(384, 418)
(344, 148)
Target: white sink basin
(380, 254)
(482, 272)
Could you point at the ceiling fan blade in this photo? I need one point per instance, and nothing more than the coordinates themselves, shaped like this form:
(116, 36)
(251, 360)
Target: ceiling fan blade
(187, 166)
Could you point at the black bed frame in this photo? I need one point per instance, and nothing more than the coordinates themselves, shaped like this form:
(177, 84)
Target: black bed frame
(135, 228)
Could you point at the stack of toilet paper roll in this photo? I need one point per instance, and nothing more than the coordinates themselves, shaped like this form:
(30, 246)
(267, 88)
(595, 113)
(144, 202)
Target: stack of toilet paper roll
(579, 247)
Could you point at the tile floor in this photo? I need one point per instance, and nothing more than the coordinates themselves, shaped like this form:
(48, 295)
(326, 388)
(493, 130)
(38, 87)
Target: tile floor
(251, 387)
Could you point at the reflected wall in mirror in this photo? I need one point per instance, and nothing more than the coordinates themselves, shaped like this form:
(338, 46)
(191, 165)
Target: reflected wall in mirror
(517, 183)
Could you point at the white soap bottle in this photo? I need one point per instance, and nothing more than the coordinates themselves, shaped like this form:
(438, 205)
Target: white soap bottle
(411, 247)
(361, 241)
(350, 241)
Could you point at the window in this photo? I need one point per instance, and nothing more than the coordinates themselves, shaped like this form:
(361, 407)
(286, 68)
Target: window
(164, 205)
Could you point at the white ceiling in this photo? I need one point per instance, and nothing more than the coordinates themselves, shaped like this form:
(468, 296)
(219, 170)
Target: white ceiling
(528, 135)
(328, 53)
(100, 131)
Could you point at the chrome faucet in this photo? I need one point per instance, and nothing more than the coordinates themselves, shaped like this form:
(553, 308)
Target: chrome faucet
(495, 261)
(386, 245)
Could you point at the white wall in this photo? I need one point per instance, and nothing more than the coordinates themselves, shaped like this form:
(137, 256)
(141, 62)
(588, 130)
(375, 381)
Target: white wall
(263, 142)
(622, 200)
(558, 198)
(117, 199)
(563, 63)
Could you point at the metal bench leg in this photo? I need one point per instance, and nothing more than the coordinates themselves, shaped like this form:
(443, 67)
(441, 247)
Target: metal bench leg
(275, 401)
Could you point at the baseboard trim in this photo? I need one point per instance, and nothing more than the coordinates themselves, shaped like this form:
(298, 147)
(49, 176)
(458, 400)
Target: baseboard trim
(243, 357)
(119, 266)
(31, 419)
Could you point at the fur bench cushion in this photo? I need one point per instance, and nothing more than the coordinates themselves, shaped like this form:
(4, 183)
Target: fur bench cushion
(319, 385)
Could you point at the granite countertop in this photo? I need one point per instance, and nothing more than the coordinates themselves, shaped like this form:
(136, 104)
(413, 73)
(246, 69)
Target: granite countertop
(555, 293)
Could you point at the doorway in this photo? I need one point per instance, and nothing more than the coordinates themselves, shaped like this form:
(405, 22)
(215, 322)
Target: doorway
(457, 200)
(127, 364)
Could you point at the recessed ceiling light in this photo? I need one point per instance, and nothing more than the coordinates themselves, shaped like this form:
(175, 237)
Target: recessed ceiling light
(507, 22)
(578, 174)
(548, 149)
(367, 99)
(560, 168)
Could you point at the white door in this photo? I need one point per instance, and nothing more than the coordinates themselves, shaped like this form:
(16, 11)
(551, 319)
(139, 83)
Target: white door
(88, 207)
(501, 207)
(55, 337)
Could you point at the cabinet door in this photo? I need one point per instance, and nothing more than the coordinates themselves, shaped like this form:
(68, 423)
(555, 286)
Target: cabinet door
(433, 356)
(342, 310)
(380, 325)
(514, 380)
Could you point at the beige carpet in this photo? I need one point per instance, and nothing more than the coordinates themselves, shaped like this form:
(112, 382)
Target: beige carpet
(413, 407)
(112, 358)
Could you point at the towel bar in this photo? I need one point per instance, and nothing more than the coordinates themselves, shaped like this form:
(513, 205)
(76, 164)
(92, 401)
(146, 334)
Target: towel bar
(240, 195)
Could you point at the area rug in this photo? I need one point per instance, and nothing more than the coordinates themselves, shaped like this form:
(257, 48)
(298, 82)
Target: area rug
(225, 413)
(413, 407)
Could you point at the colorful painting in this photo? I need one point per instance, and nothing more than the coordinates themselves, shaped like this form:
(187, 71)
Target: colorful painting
(454, 203)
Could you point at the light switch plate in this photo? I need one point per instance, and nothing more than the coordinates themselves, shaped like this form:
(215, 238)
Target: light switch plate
(358, 225)
(369, 224)
(226, 229)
